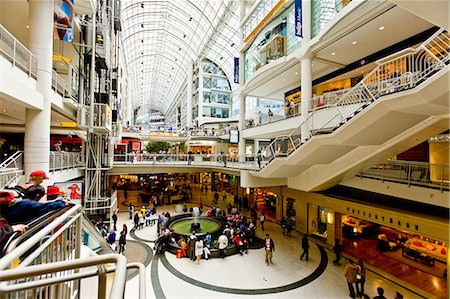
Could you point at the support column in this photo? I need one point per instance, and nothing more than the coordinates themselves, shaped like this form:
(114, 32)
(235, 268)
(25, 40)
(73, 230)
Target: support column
(306, 71)
(306, 83)
(190, 71)
(241, 145)
(37, 123)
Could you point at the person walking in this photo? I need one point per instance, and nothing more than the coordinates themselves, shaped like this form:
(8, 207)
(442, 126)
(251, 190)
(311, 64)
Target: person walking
(131, 210)
(216, 197)
(114, 219)
(360, 279)
(262, 218)
(258, 158)
(198, 250)
(270, 114)
(223, 243)
(305, 247)
(111, 239)
(269, 247)
(122, 241)
(350, 274)
(337, 250)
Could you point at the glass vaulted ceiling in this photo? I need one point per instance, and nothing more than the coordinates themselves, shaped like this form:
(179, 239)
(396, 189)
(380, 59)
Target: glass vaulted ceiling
(160, 38)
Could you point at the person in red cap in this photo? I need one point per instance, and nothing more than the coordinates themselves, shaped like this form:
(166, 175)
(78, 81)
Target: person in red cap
(52, 193)
(34, 182)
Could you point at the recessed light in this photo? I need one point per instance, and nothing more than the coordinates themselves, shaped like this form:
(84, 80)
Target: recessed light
(57, 119)
(296, 73)
(28, 26)
(381, 28)
(354, 42)
(332, 54)
(4, 110)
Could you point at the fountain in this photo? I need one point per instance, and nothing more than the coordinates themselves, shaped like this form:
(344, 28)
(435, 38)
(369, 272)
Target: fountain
(201, 225)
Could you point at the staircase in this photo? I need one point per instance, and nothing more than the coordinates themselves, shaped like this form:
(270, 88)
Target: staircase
(368, 119)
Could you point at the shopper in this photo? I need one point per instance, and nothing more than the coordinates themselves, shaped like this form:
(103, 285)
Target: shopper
(360, 279)
(198, 250)
(350, 274)
(122, 241)
(337, 250)
(223, 243)
(114, 219)
(380, 295)
(131, 210)
(269, 247)
(111, 239)
(305, 247)
(262, 218)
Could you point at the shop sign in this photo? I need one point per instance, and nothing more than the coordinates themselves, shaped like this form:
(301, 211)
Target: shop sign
(63, 20)
(298, 18)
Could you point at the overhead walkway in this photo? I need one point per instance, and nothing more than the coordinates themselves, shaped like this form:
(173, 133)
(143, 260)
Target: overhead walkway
(63, 166)
(48, 261)
(376, 119)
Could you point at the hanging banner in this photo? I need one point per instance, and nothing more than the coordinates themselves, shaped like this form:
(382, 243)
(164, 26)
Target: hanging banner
(63, 20)
(298, 18)
(236, 69)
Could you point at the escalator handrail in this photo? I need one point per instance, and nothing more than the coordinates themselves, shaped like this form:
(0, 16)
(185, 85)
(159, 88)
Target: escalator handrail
(88, 224)
(33, 225)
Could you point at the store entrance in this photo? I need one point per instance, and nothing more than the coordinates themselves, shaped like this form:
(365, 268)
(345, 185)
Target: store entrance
(409, 257)
(266, 202)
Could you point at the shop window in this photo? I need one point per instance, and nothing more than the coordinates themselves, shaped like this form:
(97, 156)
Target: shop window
(290, 207)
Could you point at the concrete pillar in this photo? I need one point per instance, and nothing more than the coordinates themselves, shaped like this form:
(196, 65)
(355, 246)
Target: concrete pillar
(190, 71)
(241, 145)
(37, 123)
(306, 71)
(256, 146)
(306, 83)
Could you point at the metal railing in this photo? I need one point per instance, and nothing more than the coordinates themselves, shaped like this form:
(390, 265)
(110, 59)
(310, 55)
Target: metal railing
(45, 262)
(64, 160)
(17, 53)
(13, 161)
(9, 176)
(412, 67)
(411, 173)
(228, 161)
(59, 84)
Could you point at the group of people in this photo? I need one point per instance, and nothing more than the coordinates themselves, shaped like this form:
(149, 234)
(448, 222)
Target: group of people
(146, 215)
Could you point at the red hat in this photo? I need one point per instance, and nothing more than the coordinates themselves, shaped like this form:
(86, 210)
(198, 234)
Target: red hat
(39, 173)
(52, 190)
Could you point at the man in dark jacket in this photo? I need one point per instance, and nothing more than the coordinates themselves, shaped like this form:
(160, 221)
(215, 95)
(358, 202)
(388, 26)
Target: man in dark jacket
(305, 246)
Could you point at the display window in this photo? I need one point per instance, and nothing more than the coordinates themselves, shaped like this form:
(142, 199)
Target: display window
(420, 257)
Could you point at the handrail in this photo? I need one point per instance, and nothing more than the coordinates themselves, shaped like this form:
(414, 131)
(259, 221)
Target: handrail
(12, 160)
(216, 160)
(419, 64)
(411, 173)
(7, 260)
(9, 176)
(118, 284)
(13, 50)
(33, 226)
(64, 160)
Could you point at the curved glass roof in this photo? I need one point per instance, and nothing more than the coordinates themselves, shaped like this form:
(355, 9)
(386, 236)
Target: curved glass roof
(161, 38)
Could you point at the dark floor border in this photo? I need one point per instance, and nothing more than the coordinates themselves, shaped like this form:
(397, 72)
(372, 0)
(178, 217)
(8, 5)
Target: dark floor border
(134, 236)
(147, 261)
(156, 284)
(319, 270)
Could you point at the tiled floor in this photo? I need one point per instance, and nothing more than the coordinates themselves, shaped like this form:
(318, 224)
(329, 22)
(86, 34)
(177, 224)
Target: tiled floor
(239, 276)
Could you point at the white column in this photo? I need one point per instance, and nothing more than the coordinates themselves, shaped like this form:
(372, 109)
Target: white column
(306, 83)
(306, 71)
(37, 123)
(256, 146)
(200, 89)
(241, 145)
(190, 71)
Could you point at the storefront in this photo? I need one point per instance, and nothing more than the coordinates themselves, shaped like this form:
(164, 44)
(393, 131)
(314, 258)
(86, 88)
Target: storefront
(320, 219)
(384, 244)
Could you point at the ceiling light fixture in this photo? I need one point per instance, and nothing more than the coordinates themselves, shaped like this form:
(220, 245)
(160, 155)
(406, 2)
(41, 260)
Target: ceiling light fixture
(354, 42)
(381, 28)
(28, 26)
(332, 54)
(4, 110)
(296, 73)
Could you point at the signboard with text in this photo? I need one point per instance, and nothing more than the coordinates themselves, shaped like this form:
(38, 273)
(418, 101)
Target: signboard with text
(298, 18)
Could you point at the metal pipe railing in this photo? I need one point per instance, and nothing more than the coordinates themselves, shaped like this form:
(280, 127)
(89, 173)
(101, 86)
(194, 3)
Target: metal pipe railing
(412, 67)
(13, 50)
(13, 161)
(64, 160)
(18, 274)
(411, 173)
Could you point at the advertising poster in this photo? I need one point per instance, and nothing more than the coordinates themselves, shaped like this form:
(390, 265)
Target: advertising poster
(234, 136)
(298, 18)
(236, 69)
(73, 191)
(63, 20)
(108, 117)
